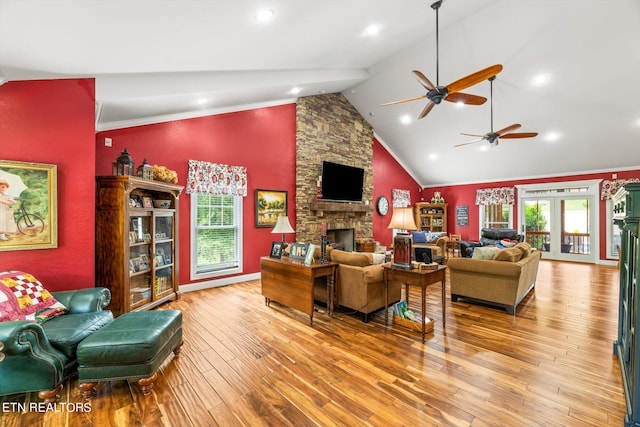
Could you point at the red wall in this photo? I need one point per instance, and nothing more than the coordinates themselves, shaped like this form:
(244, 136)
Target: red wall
(53, 122)
(466, 195)
(263, 140)
(388, 174)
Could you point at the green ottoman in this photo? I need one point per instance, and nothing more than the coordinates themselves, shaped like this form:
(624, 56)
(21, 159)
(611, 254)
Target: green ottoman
(132, 347)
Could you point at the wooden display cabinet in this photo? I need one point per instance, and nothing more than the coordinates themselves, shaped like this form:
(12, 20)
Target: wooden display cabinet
(626, 215)
(136, 242)
(431, 216)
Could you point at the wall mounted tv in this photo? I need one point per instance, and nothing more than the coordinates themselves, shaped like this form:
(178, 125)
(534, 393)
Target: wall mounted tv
(341, 182)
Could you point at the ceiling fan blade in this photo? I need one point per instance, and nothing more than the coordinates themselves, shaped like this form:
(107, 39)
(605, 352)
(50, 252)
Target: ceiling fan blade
(426, 110)
(470, 142)
(472, 134)
(520, 135)
(474, 79)
(466, 98)
(508, 129)
(424, 81)
(415, 98)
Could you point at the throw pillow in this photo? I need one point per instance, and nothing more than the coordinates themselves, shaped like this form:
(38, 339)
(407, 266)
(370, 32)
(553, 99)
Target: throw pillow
(525, 248)
(378, 258)
(26, 298)
(484, 252)
(419, 237)
(509, 255)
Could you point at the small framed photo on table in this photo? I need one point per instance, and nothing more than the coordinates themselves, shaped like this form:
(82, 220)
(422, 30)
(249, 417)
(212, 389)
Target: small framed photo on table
(298, 251)
(308, 259)
(276, 250)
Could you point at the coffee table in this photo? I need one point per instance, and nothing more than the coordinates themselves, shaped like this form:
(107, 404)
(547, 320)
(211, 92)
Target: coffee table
(415, 277)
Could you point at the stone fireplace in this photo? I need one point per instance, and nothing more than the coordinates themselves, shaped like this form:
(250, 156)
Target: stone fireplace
(329, 128)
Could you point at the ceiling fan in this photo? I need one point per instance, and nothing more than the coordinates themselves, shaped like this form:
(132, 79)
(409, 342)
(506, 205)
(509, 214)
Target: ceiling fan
(505, 133)
(436, 93)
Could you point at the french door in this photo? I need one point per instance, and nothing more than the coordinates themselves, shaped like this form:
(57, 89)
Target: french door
(560, 219)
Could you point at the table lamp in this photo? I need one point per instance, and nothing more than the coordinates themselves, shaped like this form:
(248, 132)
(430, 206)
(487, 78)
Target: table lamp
(283, 226)
(402, 220)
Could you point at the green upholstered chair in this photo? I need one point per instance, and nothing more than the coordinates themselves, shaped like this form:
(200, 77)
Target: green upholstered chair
(39, 357)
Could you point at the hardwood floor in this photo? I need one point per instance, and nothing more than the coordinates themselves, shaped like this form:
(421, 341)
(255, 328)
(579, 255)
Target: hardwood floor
(246, 364)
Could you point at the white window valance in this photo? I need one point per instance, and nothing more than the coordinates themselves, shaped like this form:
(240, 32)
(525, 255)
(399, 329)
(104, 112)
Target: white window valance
(610, 188)
(215, 178)
(400, 198)
(496, 196)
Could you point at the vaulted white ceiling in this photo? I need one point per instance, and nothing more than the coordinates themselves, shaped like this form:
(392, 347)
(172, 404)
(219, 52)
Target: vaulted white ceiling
(158, 60)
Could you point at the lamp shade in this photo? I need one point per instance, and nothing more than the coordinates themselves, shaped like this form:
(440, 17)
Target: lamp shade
(283, 226)
(402, 219)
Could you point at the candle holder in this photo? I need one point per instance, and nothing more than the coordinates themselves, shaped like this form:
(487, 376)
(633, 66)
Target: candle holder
(323, 250)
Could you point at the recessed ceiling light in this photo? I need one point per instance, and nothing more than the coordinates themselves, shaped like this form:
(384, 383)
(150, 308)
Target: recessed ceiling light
(372, 30)
(540, 79)
(433, 156)
(296, 90)
(484, 147)
(201, 101)
(552, 136)
(264, 15)
(406, 119)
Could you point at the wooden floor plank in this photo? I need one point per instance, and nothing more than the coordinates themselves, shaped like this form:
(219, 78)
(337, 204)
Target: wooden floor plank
(247, 364)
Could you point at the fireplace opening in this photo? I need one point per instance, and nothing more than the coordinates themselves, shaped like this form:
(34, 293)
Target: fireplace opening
(342, 238)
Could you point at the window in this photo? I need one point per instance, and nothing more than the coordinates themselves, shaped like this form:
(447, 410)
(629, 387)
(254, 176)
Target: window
(496, 216)
(216, 235)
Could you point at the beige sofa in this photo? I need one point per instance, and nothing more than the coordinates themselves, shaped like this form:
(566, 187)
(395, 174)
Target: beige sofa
(504, 280)
(360, 284)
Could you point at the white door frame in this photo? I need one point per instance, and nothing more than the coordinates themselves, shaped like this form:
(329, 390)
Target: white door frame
(527, 192)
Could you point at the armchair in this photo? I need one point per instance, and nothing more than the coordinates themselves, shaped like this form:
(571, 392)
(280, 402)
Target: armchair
(39, 357)
(360, 284)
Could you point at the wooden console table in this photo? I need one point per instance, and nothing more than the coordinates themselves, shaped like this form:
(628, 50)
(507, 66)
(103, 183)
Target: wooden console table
(414, 277)
(290, 282)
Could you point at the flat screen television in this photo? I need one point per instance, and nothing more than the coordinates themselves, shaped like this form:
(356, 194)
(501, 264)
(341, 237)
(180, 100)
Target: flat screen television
(341, 182)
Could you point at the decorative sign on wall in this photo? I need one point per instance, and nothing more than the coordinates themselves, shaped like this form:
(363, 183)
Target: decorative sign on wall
(462, 214)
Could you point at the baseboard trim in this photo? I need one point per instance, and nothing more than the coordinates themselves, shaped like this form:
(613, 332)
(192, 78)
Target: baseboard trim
(219, 282)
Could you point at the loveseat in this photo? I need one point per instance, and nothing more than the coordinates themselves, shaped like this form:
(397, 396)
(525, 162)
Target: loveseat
(40, 356)
(490, 237)
(360, 284)
(437, 242)
(502, 279)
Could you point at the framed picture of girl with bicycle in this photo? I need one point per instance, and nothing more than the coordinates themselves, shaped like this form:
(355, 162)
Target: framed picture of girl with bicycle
(28, 206)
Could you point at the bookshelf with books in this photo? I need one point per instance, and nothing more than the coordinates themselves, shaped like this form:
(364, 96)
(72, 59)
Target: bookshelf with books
(137, 241)
(431, 216)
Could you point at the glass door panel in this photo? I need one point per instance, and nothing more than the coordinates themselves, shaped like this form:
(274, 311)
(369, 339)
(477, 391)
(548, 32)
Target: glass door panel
(139, 258)
(537, 223)
(575, 219)
(163, 250)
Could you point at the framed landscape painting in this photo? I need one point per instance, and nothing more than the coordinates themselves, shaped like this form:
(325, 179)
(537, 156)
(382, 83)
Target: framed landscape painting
(270, 204)
(28, 206)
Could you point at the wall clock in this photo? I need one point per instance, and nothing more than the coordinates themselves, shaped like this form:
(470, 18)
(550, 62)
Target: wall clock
(382, 205)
